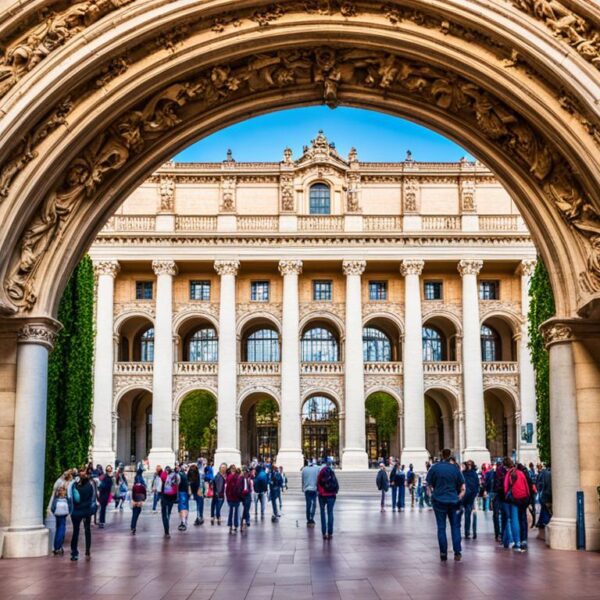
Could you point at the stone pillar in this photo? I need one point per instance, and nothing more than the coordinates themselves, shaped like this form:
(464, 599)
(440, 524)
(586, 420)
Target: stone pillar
(475, 449)
(227, 425)
(162, 387)
(528, 450)
(290, 454)
(564, 436)
(103, 450)
(26, 535)
(413, 451)
(175, 424)
(354, 455)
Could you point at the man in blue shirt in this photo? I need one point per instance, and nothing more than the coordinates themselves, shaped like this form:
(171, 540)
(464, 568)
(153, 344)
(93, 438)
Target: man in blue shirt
(448, 488)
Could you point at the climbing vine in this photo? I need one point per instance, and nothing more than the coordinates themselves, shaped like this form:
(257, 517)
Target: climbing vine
(541, 308)
(196, 414)
(384, 409)
(70, 378)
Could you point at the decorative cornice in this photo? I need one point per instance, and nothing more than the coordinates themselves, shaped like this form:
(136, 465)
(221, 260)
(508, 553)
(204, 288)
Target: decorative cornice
(470, 267)
(106, 267)
(290, 267)
(164, 267)
(527, 267)
(227, 267)
(354, 267)
(412, 267)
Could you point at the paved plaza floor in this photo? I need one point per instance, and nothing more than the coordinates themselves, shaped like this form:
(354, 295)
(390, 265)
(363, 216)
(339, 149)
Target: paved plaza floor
(372, 555)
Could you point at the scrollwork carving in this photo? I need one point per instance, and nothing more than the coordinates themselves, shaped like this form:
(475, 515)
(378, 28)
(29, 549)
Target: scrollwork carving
(290, 267)
(411, 267)
(106, 267)
(557, 333)
(354, 267)
(164, 267)
(469, 267)
(227, 267)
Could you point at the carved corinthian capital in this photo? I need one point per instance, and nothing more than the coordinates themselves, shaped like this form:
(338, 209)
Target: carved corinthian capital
(527, 267)
(354, 267)
(39, 333)
(290, 267)
(411, 267)
(555, 333)
(227, 267)
(164, 267)
(106, 267)
(469, 267)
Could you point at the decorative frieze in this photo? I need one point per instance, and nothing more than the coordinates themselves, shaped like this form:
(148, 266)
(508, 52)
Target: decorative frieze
(127, 380)
(38, 333)
(410, 195)
(337, 309)
(228, 194)
(166, 190)
(268, 383)
(286, 191)
(193, 381)
(333, 385)
(467, 196)
(557, 333)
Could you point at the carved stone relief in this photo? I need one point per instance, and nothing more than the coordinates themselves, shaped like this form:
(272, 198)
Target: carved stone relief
(182, 382)
(228, 193)
(166, 190)
(410, 194)
(333, 384)
(286, 186)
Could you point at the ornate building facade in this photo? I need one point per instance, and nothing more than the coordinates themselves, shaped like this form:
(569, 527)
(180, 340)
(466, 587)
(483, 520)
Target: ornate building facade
(323, 284)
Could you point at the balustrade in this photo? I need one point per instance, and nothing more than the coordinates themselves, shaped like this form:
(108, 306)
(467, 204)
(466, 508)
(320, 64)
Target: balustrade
(127, 368)
(321, 223)
(441, 223)
(258, 368)
(376, 368)
(195, 223)
(498, 222)
(382, 223)
(258, 223)
(500, 367)
(321, 368)
(200, 368)
(448, 367)
(131, 223)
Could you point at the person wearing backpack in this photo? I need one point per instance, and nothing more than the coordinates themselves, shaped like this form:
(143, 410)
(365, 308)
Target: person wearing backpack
(83, 496)
(397, 481)
(138, 497)
(233, 493)
(156, 487)
(383, 483)
(327, 489)
(61, 506)
(196, 481)
(105, 487)
(275, 486)
(471, 490)
(261, 487)
(310, 474)
(121, 488)
(218, 494)
(246, 493)
(168, 496)
(498, 509)
(516, 494)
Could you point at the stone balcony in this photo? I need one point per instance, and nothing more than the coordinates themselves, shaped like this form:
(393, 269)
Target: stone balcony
(505, 367)
(443, 367)
(195, 368)
(259, 368)
(383, 368)
(322, 368)
(133, 368)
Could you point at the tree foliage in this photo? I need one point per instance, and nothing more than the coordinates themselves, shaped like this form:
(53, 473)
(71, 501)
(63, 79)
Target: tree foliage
(196, 414)
(70, 378)
(541, 308)
(384, 409)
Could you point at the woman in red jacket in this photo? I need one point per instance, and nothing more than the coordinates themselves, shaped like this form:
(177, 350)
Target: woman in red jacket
(234, 497)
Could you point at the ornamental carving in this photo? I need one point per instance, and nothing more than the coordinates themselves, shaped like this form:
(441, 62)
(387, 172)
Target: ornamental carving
(410, 191)
(354, 267)
(555, 334)
(527, 267)
(166, 189)
(411, 267)
(286, 184)
(193, 382)
(227, 267)
(469, 267)
(318, 309)
(377, 382)
(37, 333)
(164, 267)
(106, 267)
(198, 308)
(330, 7)
(228, 188)
(121, 382)
(443, 380)
(247, 384)
(352, 192)
(290, 267)
(139, 307)
(332, 384)
(274, 309)
(467, 196)
(320, 148)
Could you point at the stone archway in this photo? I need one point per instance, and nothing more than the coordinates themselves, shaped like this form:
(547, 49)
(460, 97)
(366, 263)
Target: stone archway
(516, 86)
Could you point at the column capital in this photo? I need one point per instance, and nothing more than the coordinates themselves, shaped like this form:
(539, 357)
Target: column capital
(470, 266)
(227, 267)
(42, 332)
(527, 267)
(164, 267)
(354, 267)
(106, 267)
(412, 266)
(290, 267)
(555, 332)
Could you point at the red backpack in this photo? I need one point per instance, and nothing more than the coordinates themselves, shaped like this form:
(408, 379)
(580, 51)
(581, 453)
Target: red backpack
(518, 488)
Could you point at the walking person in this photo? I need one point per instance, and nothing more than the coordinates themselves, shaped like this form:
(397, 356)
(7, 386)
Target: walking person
(183, 499)
(411, 483)
(310, 474)
(261, 488)
(448, 489)
(138, 497)
(498, 502)
(156, 487)
(383, 483)
(471, 490)
(121, 488)
(83, 497)
(218, 491)
(61, 506)
(196, 481)
(168, 496)
(517, 493)
(105, 487)
(544, 485)
(234, 497)
(397, 481)
(327, 489)
(275, 486)
(247, 489)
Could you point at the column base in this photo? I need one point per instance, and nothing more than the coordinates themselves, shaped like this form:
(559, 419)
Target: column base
(529, 454)
(162, 457)
(354, 460)
(103, 456)
(561, 534)
(290, 460)
(477, 455)
(25, 542)
(229, 456)
(417, 457)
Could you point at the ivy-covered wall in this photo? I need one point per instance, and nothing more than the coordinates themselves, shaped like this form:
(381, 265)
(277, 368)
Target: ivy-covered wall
(541, 308)
(70, 378)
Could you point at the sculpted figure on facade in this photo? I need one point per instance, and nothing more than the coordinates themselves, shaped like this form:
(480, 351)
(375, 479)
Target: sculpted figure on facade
(352, 192)
(286, 183)
(228, 186)
(167, 194)
(410, 191)
(467, 196)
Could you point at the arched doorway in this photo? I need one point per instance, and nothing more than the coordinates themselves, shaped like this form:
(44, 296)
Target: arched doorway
(320, 428)
(136, 340)
(441, 426)
(197, 435)
(500, 423)
(382, 431)
(259, 427)
(133, 426)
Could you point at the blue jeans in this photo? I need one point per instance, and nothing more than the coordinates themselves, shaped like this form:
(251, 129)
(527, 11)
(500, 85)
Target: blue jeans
(215, 507)
(155, 499)
(260, 497)
(512, 529)
(523, 525)
(199, 505)
(59, 534)
(275, 494)
(451, 512)
(311, 505)
(103, 506)
(233, 519)
(468, 506)
(246, 505)
(326, 507)
(383, 493)
(166, 507)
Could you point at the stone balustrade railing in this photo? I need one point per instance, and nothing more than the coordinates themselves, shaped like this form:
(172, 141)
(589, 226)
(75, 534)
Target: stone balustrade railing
(380, 368)
(258, 368)
(321, 223)
(321, 368)
(195, 223)
(441, 223)
(382, 223)
(499, 222)
(258, 223)
(500, 367)
(130, 368)
(447, 367)
(195, 368)
(131, 223)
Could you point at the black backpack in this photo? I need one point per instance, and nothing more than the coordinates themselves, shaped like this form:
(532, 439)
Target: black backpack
(329, 481)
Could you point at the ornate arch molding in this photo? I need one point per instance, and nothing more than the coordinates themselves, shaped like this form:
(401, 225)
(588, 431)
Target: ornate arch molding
(360, 75)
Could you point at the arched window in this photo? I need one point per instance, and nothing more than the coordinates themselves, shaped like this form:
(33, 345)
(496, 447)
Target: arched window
(147, 345)
(320, 199)
(490, 344)
(433, 345)
(203, 346)
(376, 345)
(320, 428)
(319, 345)
(262, 345)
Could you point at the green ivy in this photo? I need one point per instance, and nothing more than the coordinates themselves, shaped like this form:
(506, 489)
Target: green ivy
(70, 378)
(196, 414)
(541, 308)
(384, 409)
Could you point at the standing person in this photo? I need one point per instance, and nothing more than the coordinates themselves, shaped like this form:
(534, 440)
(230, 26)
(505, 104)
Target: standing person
(65, 481)
(544, 486)
(218, 489)
(105, 487)
(531, 480)
(196, 480)
(234, 497)
(383, 483)
(284, 487)
(261, 487)
(61, 507)
(83, 496)
(156, 487)
(471, 490)
(121, 487)
(310, 474)
(411, 482)
(498, 501)
(488, 488)
(168, 496)
(246, 490)
(397, 481)
(138, 497)
(183, 498)
(448, 487)
(327, 489)
(275, 486)
(517, 493)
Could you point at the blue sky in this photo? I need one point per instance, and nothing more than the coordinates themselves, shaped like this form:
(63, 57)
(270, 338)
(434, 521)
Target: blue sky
(376, 136)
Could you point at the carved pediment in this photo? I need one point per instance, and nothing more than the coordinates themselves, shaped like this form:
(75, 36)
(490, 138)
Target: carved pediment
(321, 152)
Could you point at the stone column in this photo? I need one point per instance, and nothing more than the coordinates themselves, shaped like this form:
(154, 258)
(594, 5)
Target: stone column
(162, 381)
(227, 425)
(528, 450)
(103, 451)
(564, 436)
(175, 424)
(354, 455)
(475, 449)
(26, 535)
(290, 453)
(414, 451)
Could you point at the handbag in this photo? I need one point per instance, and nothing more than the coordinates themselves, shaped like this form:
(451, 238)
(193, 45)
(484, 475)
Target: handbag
(209, 493)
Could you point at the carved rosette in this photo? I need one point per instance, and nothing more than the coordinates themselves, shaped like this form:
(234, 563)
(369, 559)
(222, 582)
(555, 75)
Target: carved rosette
(354, 267)
(43, 334)
(106, 267)
(412, 267)
(290, 267)
(557, 333)
(227, 267)
(470, 266)
(527, 267)
(164, 267)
